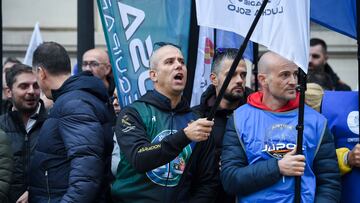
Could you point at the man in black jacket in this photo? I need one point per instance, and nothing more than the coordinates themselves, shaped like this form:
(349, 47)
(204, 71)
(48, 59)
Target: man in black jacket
(235, 96)
(318, 63)
(73, 156)
(22, 124)
(166, 152)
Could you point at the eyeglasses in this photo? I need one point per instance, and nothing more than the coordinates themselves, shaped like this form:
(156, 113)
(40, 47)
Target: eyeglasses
(157, 45)
(91, 64)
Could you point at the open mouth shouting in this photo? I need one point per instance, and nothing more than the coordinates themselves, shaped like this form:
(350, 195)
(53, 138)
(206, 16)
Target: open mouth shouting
(179, 78)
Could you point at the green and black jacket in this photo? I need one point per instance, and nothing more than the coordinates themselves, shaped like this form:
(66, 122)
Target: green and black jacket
(158, 163)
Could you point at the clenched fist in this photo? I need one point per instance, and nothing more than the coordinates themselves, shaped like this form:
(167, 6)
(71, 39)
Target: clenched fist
(199, 130)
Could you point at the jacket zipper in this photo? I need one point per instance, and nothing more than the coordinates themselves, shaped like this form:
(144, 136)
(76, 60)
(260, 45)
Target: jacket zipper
(26, 159)
(168, 172)
(47, 185)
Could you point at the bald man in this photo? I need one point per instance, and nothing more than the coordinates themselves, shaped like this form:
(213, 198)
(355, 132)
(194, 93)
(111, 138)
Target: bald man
(166, 152)
(259, 161)
(97, 61)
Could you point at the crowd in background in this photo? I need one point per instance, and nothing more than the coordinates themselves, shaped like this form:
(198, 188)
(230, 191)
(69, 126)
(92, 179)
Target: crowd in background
(80, 146)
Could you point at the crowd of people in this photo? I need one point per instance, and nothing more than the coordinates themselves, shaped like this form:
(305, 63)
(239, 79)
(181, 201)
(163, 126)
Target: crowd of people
(84, 148)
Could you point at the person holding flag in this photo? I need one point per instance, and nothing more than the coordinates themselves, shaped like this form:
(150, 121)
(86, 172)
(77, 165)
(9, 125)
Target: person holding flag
(166, 153)
(259, 159)
(235, 96)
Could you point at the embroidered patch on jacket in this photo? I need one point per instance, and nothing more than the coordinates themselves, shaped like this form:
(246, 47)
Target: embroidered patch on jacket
(169, 174)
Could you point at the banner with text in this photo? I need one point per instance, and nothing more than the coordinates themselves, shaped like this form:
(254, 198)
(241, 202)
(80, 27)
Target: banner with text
(131, 28)
(283, 27)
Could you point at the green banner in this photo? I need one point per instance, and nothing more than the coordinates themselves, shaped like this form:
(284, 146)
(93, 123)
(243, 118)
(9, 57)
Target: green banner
(131, 28)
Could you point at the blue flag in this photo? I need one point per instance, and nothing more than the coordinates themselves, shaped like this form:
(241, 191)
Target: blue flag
(226, 39)
(342, 112)
(131, 28)
(337, 15)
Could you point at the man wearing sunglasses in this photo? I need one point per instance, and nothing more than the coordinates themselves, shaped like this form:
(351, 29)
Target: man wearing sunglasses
(166, 154)
(318, 63)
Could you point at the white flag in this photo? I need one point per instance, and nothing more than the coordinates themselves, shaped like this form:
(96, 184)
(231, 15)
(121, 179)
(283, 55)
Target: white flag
(35, 41)
(283, 27)
(203, 64)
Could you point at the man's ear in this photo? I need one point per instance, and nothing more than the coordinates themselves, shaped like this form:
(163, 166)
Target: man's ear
(42, 73)
(214, 79)
(153, 75)
(7, 92)
(107, 69)
(262, 79)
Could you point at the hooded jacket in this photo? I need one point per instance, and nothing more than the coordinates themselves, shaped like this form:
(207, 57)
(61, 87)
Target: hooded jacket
(158, 163)
(22, 147)
(73, 156)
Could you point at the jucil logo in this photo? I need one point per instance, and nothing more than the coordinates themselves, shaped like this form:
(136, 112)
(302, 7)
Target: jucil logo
(279, 140)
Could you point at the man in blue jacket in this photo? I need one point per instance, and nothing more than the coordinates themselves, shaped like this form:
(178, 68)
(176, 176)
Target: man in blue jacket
(259, 161)
(72, 158)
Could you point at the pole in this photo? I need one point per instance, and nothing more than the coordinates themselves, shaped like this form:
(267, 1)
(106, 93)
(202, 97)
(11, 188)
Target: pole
(1, 56)
(300, 128)
(192, 54)
(255, 70)
(358, 47)
(85, 32)
(236, 61)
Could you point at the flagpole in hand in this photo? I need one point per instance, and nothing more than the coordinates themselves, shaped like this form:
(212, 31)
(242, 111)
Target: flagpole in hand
(300, 128)
(237, 60)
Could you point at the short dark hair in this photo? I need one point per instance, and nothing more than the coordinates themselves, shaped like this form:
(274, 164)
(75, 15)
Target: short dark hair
(12, 73)
(11, 60)
(220, 55)
(52, 57)
(317, 41)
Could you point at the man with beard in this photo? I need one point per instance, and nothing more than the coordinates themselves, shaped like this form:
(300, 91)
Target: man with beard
(22, 125)
(258, 160)
(166, 152)
(318, 63)
(235, 96)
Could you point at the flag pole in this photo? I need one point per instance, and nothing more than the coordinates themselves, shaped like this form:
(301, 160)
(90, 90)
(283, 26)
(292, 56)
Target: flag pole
(255, 70)
(358, 48)
(300, 128)
(236, 60)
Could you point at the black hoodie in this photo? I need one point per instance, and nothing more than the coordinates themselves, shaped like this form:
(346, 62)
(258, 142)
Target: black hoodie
(138, 127)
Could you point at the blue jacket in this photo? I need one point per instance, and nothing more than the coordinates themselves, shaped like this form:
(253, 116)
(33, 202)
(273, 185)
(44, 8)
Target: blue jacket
(250, 155)
(73, 156)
